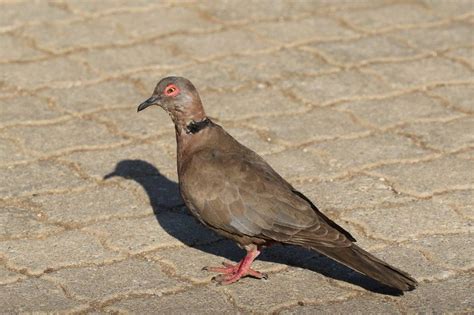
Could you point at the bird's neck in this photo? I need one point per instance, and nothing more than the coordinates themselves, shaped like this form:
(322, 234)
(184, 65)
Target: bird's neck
(188, 117)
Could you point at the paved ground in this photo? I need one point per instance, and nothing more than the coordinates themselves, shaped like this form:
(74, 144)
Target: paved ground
(367, 107)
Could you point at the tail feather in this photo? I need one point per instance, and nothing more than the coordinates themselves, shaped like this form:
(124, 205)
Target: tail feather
(358, 259)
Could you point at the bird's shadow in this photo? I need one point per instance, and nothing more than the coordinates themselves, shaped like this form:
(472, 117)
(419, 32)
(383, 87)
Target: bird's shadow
(174, 218)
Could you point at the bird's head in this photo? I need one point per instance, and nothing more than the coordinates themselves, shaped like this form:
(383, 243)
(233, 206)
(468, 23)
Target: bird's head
(179, 98)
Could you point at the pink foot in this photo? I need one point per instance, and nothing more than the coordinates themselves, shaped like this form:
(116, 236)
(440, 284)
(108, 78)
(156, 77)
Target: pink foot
(231, 273)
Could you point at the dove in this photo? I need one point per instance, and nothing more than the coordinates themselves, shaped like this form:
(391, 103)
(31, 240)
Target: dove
(237, 194)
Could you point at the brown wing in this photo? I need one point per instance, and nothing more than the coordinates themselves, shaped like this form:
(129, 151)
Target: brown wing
(238, 192)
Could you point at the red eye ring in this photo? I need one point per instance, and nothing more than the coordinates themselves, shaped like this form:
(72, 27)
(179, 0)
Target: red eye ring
(171, 90)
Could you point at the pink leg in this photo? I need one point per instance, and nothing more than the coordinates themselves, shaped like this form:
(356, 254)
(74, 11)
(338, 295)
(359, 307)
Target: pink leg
(232, 273)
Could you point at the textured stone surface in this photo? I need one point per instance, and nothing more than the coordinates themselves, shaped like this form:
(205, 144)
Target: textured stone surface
(364, 106)
(409, 221)
(453, 135)
(89, 98)
(389, 16)
(393, 111)
(121, 278)
(72, 133)
(167, 229)
(357, 305)
(357, 192)
(423, 72)
(293, 285)
(196, 301)
(419, 178)
(24, 109)
(23, 223)
(92, 204)
(36, 295)
(11, 152)
(318, 124)
(335, 86)
(451, 295)
(60, 250)
(29, 179)
(458, 96)
(364, 50)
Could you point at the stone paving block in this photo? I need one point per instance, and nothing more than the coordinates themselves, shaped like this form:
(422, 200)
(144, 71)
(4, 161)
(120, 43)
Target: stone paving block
(343, 154)
(25, 109)
(411, 260)
(389, 112)
(356, 192)
(466, 154)
(61, 136)
(453, 135)
(277, 65)
(234, 11)
(204, 76)
(59, 70)
(117, 279)
(365, 304)
(313, 28)
(30, 179)
(422, 72)
(87, 98)
(14, 48)
(459, 96)
(450, 296)
(364, 50)
(91, 7)
(116, 60)
(438, 38)
(335, 86)
(408, 221)
(419, 178)
(253, 140)
(94, 204)
(450, 8)
(59, 39)
(202, 300)
(8, 276)
(317, 124)
(454, 251)
(133, 161)
(154, 121)
(252, 102)
(14, 14)
(205, 46)
(171, 20)
(285, 288)
(17, 222)
(70, 248)
(463, 54)
(166, 229)
(10, 152)
(389, 16)
(36, 296)
(462, 201)
(298, 164)
(210, 255)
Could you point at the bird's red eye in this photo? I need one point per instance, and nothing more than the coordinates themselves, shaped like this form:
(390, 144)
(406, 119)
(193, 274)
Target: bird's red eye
(171, 90)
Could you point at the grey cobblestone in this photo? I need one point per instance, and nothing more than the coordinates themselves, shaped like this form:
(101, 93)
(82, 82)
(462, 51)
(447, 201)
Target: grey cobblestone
(364, 106)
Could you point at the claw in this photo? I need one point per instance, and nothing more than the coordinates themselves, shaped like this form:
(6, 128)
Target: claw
(231, 273)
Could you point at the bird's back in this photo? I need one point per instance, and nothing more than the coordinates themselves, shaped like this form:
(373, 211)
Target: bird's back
(232, 189)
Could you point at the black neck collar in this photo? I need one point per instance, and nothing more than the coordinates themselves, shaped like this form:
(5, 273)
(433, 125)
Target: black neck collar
(196, 126)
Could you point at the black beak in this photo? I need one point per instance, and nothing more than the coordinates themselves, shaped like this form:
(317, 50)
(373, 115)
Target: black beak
(110, 175)
(151, 101)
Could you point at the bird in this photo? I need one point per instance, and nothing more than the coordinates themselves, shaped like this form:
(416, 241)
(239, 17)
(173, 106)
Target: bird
(236, 193)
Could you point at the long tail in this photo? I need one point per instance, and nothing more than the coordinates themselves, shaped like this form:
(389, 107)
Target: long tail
(358, 259)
